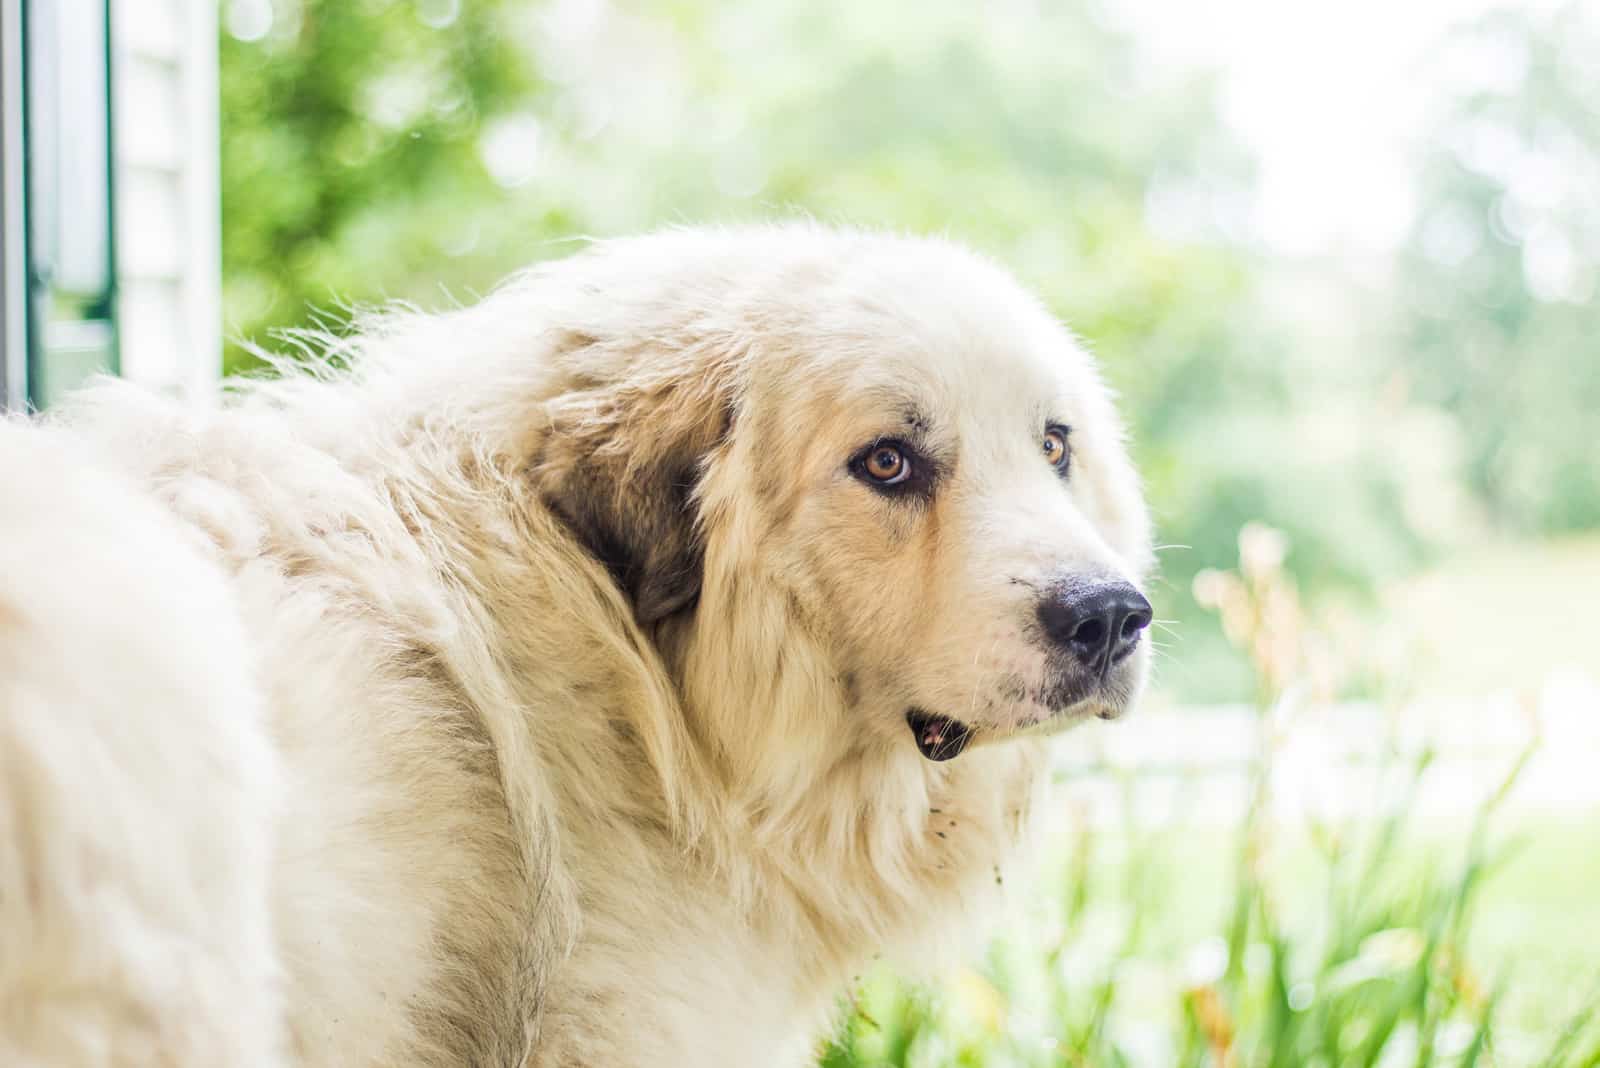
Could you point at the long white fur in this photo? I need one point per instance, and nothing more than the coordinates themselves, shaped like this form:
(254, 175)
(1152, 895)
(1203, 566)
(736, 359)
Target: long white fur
(324, 741)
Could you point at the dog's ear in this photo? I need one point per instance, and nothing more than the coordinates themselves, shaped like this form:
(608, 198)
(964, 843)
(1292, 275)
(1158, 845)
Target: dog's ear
(619, 465)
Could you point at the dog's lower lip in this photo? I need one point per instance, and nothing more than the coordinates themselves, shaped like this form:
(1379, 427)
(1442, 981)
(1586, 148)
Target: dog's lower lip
(937, 737)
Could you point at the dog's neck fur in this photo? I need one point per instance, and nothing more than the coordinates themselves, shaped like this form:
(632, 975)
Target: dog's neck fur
(772, 726)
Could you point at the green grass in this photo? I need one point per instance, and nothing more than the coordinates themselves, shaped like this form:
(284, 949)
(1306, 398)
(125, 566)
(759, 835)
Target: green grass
(1154, 949)
(1540, 923)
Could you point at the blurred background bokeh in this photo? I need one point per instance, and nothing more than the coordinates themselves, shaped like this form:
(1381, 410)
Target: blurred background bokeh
(1342, 263)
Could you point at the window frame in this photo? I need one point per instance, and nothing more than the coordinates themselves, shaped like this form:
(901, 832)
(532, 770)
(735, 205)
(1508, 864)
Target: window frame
(47, 333)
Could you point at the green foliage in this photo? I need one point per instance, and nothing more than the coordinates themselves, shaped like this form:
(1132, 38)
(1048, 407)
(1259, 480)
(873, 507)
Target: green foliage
(350, 144)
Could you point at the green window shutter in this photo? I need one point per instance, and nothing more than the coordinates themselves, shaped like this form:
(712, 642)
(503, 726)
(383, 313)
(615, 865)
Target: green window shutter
(59, 277)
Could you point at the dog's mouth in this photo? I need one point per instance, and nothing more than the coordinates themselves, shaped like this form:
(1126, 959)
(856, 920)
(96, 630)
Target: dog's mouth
(938, 737)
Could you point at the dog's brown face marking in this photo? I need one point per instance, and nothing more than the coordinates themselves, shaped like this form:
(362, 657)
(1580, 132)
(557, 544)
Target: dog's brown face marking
(621, 469)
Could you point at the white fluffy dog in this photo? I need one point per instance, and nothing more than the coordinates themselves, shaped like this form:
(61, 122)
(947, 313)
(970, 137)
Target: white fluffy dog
(599, 675)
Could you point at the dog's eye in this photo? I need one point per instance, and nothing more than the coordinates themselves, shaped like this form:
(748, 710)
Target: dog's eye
(1055, 448)
(888, 465)
(893, 468)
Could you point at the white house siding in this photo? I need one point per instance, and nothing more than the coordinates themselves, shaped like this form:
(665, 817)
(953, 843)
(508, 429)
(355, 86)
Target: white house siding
(167, 209)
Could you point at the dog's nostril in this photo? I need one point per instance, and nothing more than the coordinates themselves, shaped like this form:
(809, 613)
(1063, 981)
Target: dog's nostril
(1090, 632)
(1133, 623)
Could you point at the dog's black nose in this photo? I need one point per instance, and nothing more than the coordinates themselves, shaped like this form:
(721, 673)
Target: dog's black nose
(1098, 623)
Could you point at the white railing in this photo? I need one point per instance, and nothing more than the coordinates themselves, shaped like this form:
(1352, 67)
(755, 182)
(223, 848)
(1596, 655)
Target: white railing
(1166, 764)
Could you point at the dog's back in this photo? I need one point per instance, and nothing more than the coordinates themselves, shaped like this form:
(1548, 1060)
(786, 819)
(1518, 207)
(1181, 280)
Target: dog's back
(246, 817)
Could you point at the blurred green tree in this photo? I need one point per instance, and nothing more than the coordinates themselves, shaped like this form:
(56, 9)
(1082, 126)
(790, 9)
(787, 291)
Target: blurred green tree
(1498, 294)
(350, 141)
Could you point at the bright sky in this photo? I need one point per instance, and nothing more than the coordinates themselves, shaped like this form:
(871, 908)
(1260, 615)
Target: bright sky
(1328, 94)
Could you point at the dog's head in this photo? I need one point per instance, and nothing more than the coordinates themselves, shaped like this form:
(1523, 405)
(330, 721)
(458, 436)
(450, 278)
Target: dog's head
(858, 484)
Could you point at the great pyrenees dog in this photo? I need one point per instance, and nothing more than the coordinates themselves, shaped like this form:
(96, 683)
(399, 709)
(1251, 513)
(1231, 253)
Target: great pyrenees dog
(601, 675)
